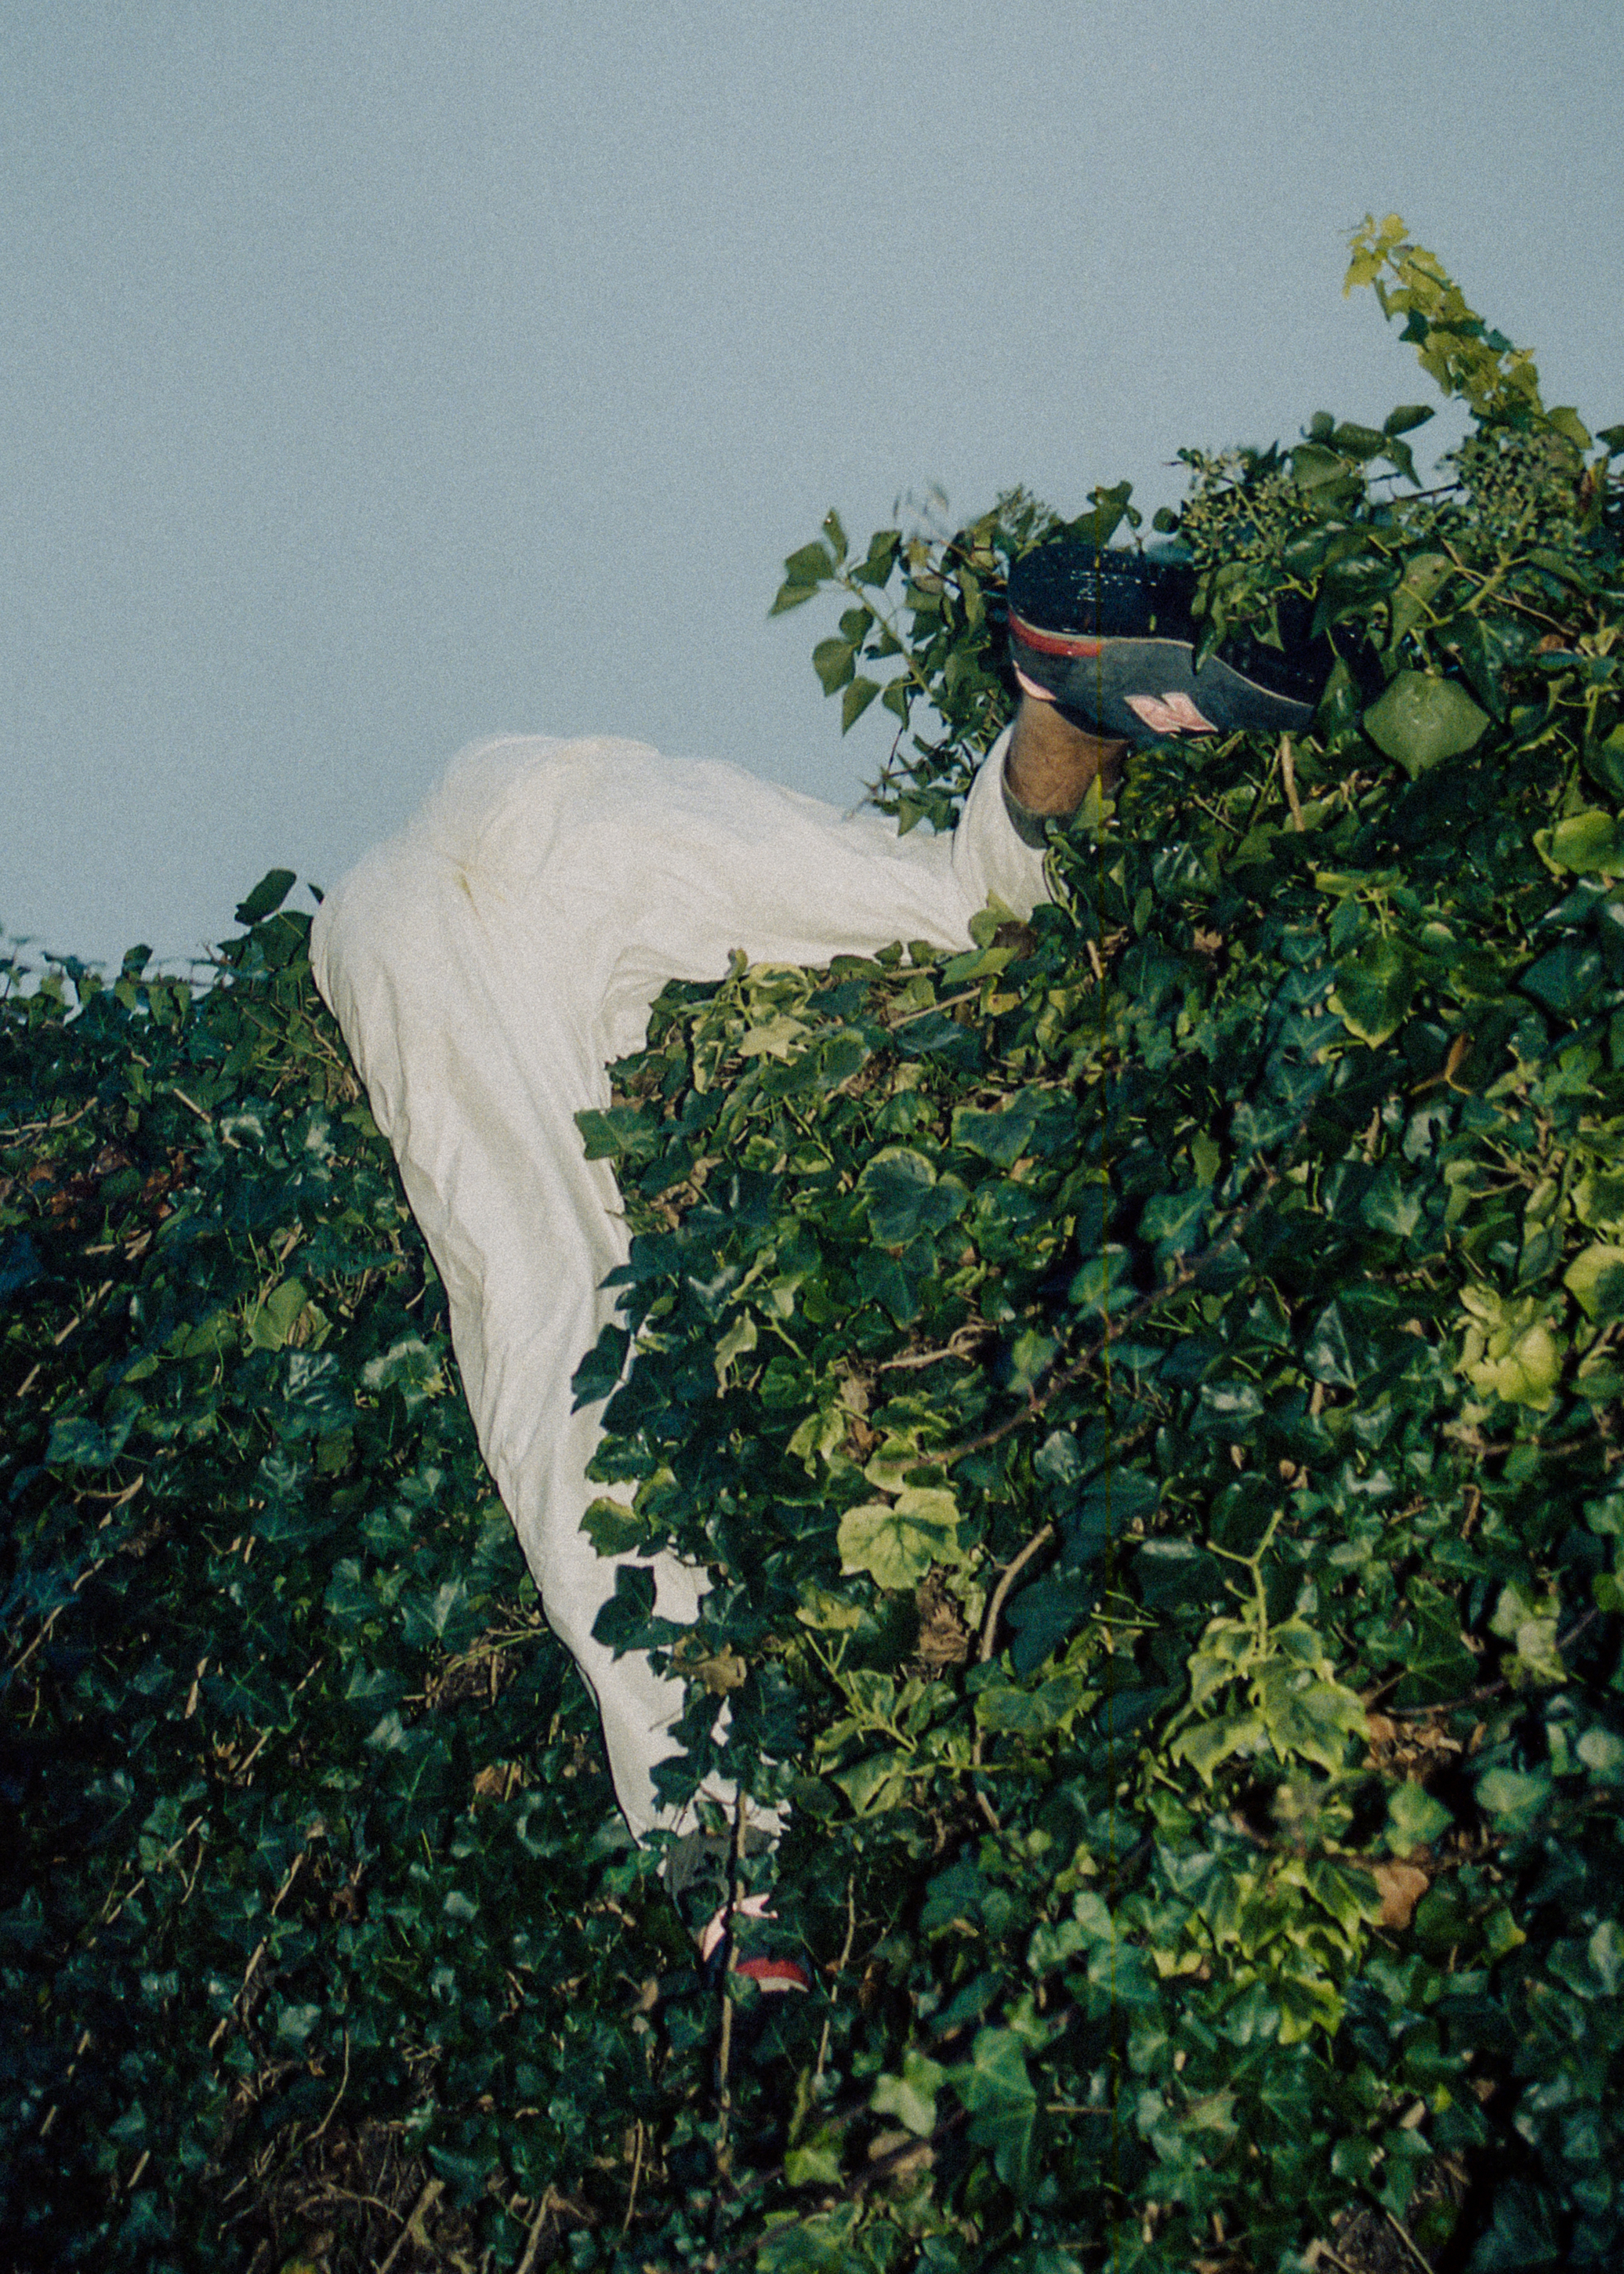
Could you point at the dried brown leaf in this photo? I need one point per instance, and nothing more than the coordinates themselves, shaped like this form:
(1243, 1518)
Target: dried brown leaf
(1401, 1887)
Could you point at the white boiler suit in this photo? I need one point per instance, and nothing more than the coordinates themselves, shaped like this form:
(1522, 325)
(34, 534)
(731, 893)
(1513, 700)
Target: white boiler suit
(485, 965)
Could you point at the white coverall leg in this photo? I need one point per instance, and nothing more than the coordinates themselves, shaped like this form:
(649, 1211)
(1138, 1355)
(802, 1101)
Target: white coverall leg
(486, 966)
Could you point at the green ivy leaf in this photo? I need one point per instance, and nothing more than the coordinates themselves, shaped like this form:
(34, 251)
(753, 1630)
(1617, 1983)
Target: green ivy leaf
(834, 660)
(1206, 1745)
(896, 1543)
(1424, 574)
(273, 1320)
(1438, 1665)
(1596, 1278)
(855, 700)
(267, 896)
(1326, 1355)
(1564, 980)
(76, 1441)
(1422, 720)
(614, 1529)
(911, 2096)
(1374, 986)
(997, 2090)
(875, 1784)
(1033, 1712)
(1513, 1798)
(1308, 1719)
(1587, 843)
(905, 1197)
(1415, 1818)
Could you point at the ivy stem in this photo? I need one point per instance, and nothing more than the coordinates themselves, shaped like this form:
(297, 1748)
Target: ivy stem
(631, 2199)
(1254, 1564)
(840, 1963)
(1287, 775)
(724, 2147)
(1012, 1570)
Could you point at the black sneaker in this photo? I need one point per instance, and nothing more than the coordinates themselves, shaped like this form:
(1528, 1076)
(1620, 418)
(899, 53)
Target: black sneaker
(1109, 638)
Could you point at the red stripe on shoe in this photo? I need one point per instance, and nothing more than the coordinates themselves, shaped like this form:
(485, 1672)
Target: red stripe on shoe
(775, 1973)
(1054, 642)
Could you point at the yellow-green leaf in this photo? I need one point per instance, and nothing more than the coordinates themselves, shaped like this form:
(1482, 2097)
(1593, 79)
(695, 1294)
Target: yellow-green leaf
(1589, 844)
(1596, 1279)
(897, 1545)
(274, 1320)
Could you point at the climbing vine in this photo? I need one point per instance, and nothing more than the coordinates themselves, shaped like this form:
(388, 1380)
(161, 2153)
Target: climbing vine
(1146, 1389)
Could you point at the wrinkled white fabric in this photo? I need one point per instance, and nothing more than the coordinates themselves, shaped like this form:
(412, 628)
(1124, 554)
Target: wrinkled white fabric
(486, 966)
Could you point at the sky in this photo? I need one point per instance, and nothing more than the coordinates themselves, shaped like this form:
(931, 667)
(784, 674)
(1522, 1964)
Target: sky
(375, 378)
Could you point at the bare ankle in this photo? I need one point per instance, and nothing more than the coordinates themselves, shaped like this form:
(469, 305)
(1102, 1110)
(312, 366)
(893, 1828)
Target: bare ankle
(1051, 765)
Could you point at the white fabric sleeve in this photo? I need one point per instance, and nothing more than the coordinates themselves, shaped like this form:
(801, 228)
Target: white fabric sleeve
(486, 964)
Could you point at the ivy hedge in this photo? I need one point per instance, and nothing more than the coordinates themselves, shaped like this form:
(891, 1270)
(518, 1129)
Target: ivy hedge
(1146, 1389)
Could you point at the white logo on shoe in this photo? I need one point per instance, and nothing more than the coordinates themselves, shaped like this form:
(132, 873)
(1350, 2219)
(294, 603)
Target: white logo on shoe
(1170, 714)
(751, 1907)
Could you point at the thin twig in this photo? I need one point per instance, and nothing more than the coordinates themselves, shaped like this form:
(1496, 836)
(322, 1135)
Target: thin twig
(79, 2051)
(1323, 2250)
(1409, 2241)
(229, 2015)
(948, 1003)
(127, 1492)
(1012, 1570)
(855, 2189)
(343, 2086)
(44, 1128)
(961, 1344)
(846, 1952)
(78, 1318)
(631, 2199)
(260, 1949)
(723, 2152)
(1487, 1688)
(50, 1620)
(532, 2240)
(412, 2232)
(327, 2193)
(52, 1615)
(259, 1743)
(169, 1852)
(282, 1893)
(1287, 775)
(265, 1735)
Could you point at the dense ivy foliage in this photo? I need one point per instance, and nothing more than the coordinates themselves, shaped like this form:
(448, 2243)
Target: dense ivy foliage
(297, 1807)
(1146, 1389)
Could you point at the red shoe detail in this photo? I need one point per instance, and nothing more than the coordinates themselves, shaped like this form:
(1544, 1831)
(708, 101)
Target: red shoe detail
(768, 1974)
(1053, 643)
(774, 1974)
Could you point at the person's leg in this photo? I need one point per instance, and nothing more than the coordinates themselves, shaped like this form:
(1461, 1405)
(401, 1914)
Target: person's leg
(485, 966)
(475, 1069)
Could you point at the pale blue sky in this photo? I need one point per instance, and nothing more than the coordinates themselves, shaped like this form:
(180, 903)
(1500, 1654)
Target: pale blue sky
(377, 377)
